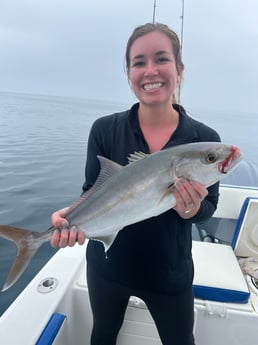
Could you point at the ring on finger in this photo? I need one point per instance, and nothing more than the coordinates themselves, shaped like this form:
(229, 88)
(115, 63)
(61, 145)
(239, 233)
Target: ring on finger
(189, 207)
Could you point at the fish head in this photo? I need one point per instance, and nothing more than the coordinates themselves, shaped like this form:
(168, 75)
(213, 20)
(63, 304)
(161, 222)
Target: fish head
(206, 162)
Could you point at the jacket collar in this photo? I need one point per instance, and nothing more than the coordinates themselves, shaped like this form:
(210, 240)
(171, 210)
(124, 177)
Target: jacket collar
(186, 131)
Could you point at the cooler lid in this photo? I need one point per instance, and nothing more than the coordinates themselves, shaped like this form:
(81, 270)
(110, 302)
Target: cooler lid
(245, 239)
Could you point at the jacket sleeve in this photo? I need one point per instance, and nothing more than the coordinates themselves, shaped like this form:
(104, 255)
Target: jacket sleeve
(208, 205)
(95, 147)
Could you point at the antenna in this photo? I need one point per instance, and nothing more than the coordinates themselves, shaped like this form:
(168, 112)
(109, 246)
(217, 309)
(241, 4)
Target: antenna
(181, 41)
(182, 25)
(154, 11)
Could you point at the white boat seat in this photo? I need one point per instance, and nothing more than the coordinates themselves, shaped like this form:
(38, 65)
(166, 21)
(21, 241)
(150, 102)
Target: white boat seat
(51, 330)
(218, 276)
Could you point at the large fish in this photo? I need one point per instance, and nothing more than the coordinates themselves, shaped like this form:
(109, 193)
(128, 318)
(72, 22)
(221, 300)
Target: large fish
(129, 194)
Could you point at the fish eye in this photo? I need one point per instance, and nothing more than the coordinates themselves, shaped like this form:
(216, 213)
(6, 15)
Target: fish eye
(211, 158)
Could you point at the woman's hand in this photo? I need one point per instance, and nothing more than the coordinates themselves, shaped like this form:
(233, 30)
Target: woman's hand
(189, 196)
(65, 236)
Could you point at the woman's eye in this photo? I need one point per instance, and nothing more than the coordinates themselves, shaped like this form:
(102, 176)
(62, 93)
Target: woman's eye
(162, 60)
(138, 64)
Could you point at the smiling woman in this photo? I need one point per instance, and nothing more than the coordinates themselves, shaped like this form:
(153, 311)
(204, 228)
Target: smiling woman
(154, 69)
(161, 273)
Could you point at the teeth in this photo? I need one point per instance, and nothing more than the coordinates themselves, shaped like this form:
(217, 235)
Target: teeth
(152, 86)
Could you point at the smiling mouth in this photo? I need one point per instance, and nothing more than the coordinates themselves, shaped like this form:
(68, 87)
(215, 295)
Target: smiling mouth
(152, 86)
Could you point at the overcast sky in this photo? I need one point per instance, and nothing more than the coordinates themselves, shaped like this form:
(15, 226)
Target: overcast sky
(76, 48)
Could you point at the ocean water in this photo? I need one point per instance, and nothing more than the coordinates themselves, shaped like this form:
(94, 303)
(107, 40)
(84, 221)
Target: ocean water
(42, 156)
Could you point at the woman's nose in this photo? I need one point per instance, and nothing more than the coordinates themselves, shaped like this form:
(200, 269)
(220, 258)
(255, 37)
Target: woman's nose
(150, 69)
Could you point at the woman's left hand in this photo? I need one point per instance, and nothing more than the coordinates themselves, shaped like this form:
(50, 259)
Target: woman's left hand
(189, 195)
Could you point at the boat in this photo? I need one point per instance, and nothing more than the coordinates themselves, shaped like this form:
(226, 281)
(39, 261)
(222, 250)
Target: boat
(54, 308)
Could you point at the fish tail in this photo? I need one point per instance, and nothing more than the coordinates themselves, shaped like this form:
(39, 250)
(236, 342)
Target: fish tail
(27, 242)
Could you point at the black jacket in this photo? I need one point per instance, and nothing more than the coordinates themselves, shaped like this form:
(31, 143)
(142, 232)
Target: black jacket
(154, 254)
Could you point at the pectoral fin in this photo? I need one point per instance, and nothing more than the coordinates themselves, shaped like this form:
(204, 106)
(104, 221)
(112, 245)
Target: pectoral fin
(170, 189)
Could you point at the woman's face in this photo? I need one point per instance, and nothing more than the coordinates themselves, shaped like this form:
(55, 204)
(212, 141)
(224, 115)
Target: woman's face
(152, 72)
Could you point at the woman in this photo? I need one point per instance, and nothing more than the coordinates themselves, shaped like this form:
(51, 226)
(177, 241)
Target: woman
(151, 259)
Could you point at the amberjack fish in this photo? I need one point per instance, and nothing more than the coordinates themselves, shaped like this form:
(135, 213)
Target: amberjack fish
(123, 195)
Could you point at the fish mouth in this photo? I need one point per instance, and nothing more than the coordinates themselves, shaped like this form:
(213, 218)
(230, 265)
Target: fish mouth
(231, 159)
(152, 86)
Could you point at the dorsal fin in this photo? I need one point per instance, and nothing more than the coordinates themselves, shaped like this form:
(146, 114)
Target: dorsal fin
(136, 156)
(107, 169)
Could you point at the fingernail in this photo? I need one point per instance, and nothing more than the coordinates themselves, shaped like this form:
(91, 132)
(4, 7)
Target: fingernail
(64, 224)
(180, 181)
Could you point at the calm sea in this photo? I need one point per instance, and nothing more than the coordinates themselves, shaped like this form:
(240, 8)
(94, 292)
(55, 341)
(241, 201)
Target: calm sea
(42, 156)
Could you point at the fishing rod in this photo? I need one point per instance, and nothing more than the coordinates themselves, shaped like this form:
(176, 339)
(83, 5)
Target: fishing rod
(181, 32)
(154, 11)
(181, 41)
(181, 18)
(182, 25)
